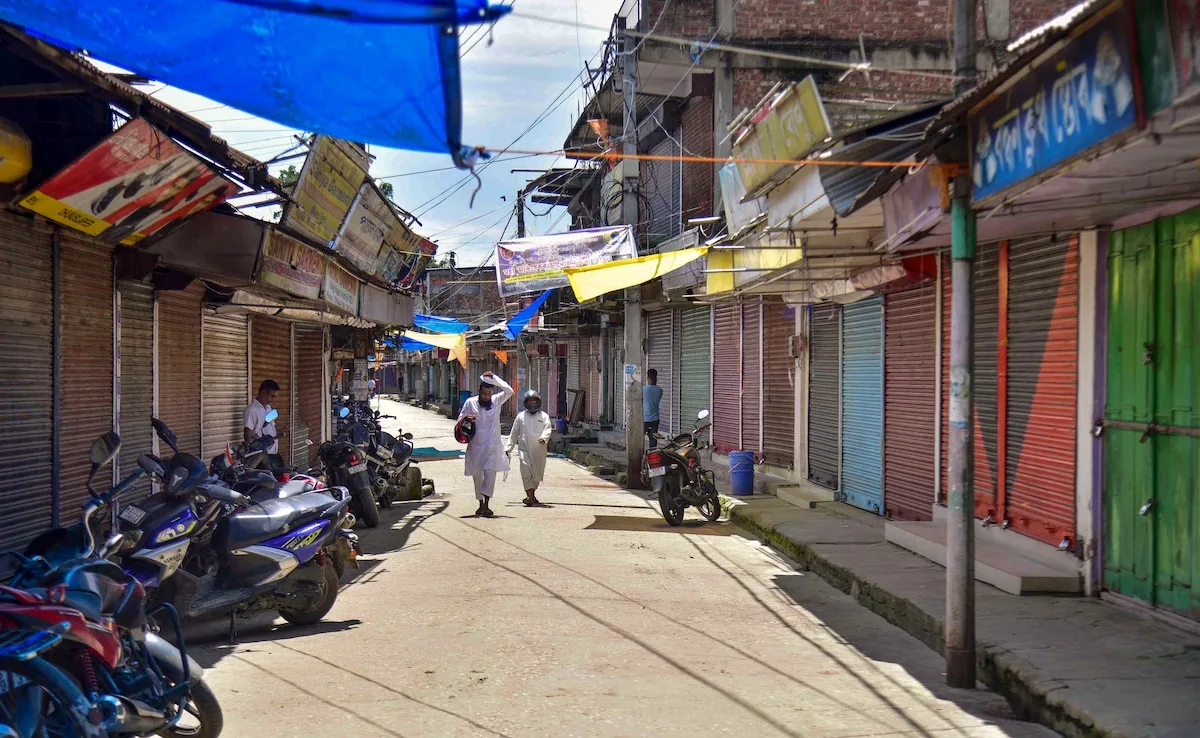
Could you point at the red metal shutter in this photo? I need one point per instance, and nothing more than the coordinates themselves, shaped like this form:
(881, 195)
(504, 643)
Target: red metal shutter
(727, 376)
(309, 371)
(1043, 355)
(26, 380)
(271, 358)
(910, 390)
(136, 325)
(660, 352)
(984, 381)
(824, 395)
(698, 176)
(752, 374)
(179, 357)
(87, 363)
(226, 390)
(779, 372)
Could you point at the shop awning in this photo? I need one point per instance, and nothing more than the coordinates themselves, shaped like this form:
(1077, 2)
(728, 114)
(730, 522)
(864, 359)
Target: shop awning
(378, 71)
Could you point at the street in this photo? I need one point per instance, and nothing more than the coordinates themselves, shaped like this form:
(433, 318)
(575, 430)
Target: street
(589, 617)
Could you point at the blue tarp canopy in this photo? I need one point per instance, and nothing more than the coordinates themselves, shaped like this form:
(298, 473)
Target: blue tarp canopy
(375, 71)
(439, 324)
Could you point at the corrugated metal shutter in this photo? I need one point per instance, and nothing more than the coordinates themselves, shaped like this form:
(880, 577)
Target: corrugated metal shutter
(984, 381)
(1043, 354)
(910, 393)
(698, 176)
(136, 325)
(752, 374)
(179, 354)
(695, 364)
(662, 188)
(593, 378)
(271, 358)
(26, 385)
(862, 404)
(306, 424)
(226, 381)
(660, 356)
(87, 352)
(618, 377)
(727, 376)
(779, 370)
(573, 375)
(824, 394)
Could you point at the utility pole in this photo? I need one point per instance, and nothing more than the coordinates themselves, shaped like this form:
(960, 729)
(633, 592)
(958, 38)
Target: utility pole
(520, 213)
(960, 520)
(635, 438)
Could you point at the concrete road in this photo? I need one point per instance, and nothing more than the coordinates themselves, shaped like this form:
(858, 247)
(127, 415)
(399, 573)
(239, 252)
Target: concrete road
(589, 617)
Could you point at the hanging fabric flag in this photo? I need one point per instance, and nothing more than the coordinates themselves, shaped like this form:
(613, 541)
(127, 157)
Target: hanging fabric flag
(441, 340)
(502, 356)
(439, 324)
(459, 351)
(312, 66)
(593, 281)
(517, 323)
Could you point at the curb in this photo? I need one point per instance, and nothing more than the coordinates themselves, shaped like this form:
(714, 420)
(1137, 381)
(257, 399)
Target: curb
(1001, 673)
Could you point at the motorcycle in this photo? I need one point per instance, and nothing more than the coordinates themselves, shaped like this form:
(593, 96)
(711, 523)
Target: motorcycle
(89, 632)
(345, 465)
(676, 473)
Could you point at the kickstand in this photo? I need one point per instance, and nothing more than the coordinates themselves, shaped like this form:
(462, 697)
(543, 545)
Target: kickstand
(233, 628)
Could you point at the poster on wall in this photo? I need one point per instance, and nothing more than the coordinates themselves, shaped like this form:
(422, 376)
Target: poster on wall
(536, 264)
(341, 288)
(291, 266)
(131, 185)
(328, 184)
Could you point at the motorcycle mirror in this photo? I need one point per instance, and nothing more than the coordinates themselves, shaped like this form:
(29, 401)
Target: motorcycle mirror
(105, 449)
(165, 433)
(702, 415)
(111, 545)
(344, 412)
(150, 466)
(408, 436)
(272, 414)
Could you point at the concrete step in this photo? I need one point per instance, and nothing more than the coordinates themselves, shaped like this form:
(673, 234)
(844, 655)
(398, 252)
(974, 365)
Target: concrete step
(803, 494)
(996, 565)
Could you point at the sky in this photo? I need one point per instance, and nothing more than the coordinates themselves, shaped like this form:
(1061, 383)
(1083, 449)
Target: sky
(507, 84)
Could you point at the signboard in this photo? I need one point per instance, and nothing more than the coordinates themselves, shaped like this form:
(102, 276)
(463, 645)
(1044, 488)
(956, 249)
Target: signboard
(412, 264)
(535, 264)
(129, 186)
(795, 123)
(328, 184)
(341, 288)
(388, 266)
(362, 373)
(1073, 100)
(912, 207)
(369, 224)
(291, 266)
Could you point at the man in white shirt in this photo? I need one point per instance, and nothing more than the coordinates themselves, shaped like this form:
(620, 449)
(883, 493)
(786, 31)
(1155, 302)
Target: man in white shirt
(485, 453)
(254, 420)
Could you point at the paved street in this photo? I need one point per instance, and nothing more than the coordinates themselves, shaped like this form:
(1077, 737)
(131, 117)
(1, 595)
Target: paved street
(586, 618)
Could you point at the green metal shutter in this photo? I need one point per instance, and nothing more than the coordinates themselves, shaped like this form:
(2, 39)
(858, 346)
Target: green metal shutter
(695, 360)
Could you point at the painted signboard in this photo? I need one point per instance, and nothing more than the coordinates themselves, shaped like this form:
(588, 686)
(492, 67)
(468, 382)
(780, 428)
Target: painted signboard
(413, 262)
(536, 264)
(388, 266)
(1074, 99)
(368, 225)
(291, 266)
(328, 184)
(795, 123)
(341, 288)
(130, 185)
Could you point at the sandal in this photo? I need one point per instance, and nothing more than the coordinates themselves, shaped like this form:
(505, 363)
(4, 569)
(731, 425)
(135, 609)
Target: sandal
(529, 503)
(487, 513)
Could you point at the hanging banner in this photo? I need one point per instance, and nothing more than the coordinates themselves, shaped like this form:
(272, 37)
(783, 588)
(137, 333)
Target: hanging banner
(341, 288)
(592, 281)
(291, 266)
(412, 266)
(328, 184)
(369, 224)
(129, 186)
(536, 264)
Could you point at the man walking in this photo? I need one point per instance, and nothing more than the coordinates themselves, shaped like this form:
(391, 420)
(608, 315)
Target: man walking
(530, 435)
(651, 396)
(485, 452)
(254, 420)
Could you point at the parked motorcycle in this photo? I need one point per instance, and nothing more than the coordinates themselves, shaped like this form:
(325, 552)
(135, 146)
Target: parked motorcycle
(345, 465)
(78, 629)
(677, 474)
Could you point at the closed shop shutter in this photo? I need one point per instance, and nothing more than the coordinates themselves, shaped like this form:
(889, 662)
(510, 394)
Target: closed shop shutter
(593, 379)
(660, 357)
(779, 370)
(226, 381)
(862, 404)
(306, 423)
(1043, 353)
(136, 324)
(698, 176)
(910, 393)
(618, 377)
(87, 352)
(824, 394)
(662, 188)
(752, 374)
(727, 376)
(26, 386)
(179, 366)
(271, 358)
(695, 364)
(572, 370)
(984, 381)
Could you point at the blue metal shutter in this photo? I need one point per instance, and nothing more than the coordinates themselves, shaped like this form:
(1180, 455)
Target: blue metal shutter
(823, 394)
(862, 404)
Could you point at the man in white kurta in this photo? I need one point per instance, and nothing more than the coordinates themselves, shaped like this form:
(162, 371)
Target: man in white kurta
(530, 435)
(485, 453)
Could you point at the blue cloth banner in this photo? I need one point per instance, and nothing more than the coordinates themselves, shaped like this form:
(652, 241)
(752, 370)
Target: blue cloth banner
(517, 323)
(384, 72)
(439, 324)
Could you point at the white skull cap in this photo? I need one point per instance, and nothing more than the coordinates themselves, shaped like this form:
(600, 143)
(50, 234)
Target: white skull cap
(487, 380)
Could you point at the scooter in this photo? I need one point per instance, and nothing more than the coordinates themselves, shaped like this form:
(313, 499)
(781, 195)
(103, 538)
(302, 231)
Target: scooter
(676, 473)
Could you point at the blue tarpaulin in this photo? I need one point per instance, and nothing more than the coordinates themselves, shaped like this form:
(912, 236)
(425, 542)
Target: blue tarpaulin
(439, 324)
(517, 323)
(384, 72)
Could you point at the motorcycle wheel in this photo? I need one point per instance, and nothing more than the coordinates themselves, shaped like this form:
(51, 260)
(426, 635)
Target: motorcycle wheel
(58, 707)
(364, 507)
(324, 602)
(412, 483)
(202, 718)
(711, 507)
(670, 501)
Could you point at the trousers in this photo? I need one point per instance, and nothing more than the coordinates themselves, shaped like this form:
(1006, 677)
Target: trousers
(485, 484)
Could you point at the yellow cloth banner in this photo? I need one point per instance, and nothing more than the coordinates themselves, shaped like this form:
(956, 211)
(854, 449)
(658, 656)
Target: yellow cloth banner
(456, 343)
(757, 263)
(597, 279)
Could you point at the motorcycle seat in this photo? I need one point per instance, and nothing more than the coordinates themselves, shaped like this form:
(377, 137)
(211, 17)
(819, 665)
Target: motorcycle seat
(275, 517)
(263, 490)
(98, 589)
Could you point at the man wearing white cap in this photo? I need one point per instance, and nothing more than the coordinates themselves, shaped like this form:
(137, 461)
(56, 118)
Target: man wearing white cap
(485, 452)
